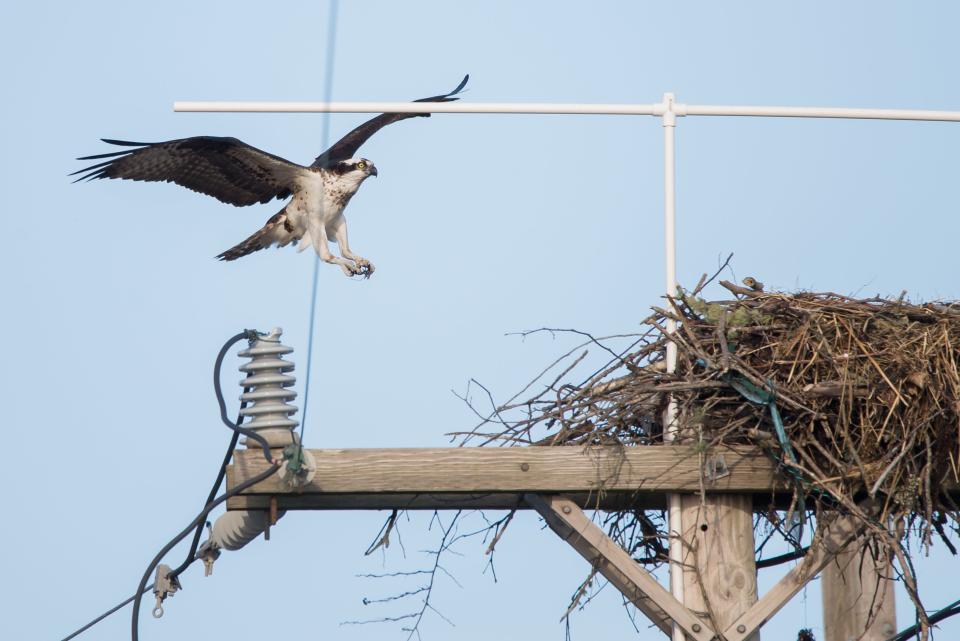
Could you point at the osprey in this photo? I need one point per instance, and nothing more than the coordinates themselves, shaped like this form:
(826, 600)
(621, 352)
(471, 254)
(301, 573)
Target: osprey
(236, 173)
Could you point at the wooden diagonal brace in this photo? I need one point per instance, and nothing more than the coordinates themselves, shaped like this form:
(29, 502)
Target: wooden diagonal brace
(835, 538)
(643, 590)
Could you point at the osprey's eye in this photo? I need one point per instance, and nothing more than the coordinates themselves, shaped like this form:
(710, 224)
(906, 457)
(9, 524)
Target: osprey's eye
(361, 165)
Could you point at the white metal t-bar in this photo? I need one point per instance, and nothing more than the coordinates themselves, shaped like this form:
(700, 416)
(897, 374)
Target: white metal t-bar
(420, 107)
(611, 109)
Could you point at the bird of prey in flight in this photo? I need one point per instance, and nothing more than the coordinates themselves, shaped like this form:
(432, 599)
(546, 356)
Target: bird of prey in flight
(236, 173)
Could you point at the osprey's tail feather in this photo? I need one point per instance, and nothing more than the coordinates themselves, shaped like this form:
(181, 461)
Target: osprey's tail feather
(277, 230)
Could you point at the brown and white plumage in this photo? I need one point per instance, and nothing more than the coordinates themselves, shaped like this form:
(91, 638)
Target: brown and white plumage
(236, 173)
(228, 169)
(278, 231)
(348, 146)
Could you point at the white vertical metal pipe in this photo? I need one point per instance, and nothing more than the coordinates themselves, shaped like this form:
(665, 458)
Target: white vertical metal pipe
(675, 511)
(670, 219)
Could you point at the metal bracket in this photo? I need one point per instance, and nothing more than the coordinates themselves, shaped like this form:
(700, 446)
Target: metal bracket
(164, 585)
(208, 553)
(300, 467)
(715, 468)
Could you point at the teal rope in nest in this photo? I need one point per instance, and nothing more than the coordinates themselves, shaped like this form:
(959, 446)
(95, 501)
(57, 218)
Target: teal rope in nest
(761, 396)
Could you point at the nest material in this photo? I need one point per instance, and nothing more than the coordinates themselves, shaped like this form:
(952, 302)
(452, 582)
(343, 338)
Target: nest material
(868, 391)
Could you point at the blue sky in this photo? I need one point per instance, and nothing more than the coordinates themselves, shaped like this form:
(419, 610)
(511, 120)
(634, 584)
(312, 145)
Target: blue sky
(478, 225)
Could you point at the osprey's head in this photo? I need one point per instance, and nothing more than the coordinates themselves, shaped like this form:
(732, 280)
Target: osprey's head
(355, 170)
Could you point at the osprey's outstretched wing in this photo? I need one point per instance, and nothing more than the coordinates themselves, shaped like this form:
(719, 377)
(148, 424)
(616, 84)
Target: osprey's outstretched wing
(228, 169)
(347, 146)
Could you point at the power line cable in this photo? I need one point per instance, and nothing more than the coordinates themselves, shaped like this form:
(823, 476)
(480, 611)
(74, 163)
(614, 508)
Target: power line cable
(325, 138)
(202, 517)
(212, 501)
(783, 558)
(941, 614)
(191, 554)
(230, 448)
(237, 429)
(104, 615)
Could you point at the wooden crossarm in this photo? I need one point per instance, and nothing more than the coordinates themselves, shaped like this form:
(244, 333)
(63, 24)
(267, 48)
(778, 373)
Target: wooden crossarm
(497, 478)
(570, 523)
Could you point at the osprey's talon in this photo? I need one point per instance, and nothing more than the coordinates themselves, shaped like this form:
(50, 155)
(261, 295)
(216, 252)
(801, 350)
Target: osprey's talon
(361, 267)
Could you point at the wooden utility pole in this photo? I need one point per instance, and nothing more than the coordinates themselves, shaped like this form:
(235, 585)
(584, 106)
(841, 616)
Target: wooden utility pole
(854, 596)
(719, 567)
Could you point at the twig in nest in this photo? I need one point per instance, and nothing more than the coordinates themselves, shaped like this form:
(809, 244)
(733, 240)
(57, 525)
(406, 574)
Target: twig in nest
(704, 281)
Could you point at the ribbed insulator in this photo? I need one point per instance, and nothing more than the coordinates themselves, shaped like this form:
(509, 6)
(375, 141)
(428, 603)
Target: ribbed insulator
(267, 389)
(235, 529)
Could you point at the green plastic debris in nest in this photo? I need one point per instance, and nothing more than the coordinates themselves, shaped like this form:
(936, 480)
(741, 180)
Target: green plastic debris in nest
(732, 313)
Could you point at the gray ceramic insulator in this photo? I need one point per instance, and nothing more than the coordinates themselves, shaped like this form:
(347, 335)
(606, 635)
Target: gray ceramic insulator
(268, 412)
(267, 390)
(233, 530)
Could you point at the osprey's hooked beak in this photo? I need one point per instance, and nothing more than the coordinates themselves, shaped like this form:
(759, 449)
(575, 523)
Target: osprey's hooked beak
(373, 170)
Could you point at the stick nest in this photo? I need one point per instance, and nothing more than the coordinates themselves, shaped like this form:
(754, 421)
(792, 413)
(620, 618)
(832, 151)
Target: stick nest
(867, 390)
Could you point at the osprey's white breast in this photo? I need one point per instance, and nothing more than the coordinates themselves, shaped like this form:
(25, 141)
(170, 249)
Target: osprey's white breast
(320, 198)
(317, 198)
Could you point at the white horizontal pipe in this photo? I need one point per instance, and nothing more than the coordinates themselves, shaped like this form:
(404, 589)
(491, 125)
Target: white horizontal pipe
(563, 108)
(419, 107)
(817, 112)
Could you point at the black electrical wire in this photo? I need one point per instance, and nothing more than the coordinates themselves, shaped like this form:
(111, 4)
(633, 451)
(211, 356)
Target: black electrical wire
(104, 615)
(936, 617)
(212, 500)
(251, 335)
(213, 494)
(783, 558)
(201, 518)
(218, 364)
